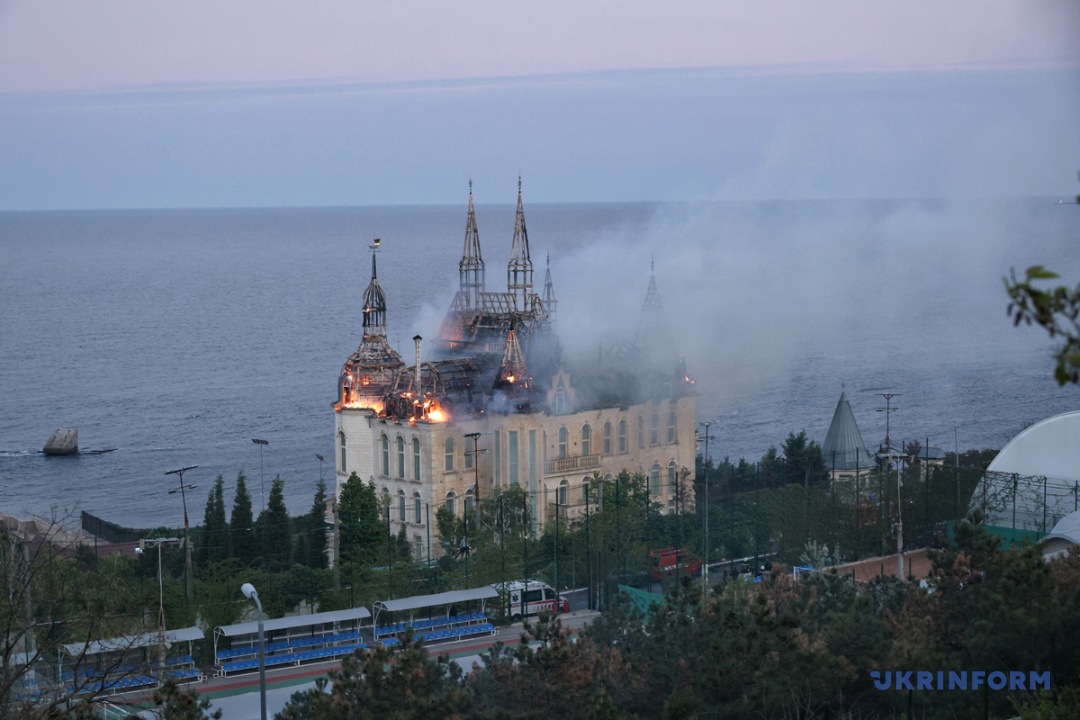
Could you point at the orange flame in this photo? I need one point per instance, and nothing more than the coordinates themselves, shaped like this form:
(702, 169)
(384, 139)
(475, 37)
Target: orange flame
(510, 378)
(436, 415)
(367, 403)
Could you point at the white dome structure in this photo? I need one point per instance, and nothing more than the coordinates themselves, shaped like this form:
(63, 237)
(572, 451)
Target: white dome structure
(1066, 534)
(1034, 482)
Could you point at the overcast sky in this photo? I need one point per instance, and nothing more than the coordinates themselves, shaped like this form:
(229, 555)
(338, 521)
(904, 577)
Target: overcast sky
(147, 103)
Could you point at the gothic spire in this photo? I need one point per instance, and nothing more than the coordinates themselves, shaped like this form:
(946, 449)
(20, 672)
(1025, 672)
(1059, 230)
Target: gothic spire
(549, 291)
(374, 302)
(471, 267)
(519, 272)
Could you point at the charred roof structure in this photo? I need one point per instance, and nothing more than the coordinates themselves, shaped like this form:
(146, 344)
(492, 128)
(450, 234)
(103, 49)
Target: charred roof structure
(497, 372)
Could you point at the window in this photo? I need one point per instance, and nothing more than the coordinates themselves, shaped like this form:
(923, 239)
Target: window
(586, 435)
(671, 427)
(534, 596)
(451, 503)
(562, 442)
(384, 444)
(512, 451)
(607, 438)
(341, 435)
(654, 479)
(449, 449)
(401, 457)
(560, 400)
(622, 436)
(401, 505)
(418, 510)
(671, 476)
(416, 458)
(654, 429)
(561, 497)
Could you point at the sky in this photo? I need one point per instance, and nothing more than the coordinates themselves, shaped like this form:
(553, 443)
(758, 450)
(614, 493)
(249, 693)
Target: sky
(146, 103)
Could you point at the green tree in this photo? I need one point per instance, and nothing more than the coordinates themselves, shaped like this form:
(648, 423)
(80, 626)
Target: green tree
(176, 703)
(402, 685)
(363, 534)
(241, 531)
(215, 531)
(316, 537)
(275, 535)
(1055, 309)
(803, 461)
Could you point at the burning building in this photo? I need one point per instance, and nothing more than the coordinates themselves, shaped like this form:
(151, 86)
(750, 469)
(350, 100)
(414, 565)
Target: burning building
(497, 405)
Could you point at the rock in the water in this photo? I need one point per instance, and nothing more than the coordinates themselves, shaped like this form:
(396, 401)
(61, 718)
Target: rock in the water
(63, 441)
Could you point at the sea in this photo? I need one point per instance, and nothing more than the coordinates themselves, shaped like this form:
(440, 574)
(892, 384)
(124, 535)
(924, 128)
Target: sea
(175, 337)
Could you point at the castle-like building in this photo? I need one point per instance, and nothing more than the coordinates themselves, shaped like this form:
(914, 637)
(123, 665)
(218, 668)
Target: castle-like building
(498, 406)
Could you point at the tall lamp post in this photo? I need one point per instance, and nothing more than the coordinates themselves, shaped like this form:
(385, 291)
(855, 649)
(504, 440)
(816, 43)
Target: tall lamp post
(262, 485)
(252, 594)
(158, 542)
(475, 454)
(187, 526)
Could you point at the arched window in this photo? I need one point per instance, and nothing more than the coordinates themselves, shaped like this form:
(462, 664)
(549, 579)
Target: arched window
(384, 444)
(584, 488)
(401, 505)
(418, 511)
(622, 436)
(654, 479)
(416, 458)
(562, 442)
(654, 429)
(468, 501)
(341, 436)
(449, 450)
(400, 457)
(451, 503)
(586, 436)
(671, 476)
(607, 438)
(563, 488)
(560, 400)
(671, 427)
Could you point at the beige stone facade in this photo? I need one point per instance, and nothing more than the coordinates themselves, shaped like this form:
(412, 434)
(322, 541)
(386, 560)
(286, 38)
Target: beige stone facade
(423, 466)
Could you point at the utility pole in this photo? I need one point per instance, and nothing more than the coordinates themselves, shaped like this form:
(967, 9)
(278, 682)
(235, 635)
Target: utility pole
(262, 485)
(705, 514)
(889, 410)
(337, 544)
(187, 526)
(475, 454)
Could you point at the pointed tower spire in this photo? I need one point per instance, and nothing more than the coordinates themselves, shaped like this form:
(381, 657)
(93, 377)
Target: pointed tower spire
(519, 272)
(843, 449)
(471, 267)
(651, 329)
(549, 291)
(374, 302)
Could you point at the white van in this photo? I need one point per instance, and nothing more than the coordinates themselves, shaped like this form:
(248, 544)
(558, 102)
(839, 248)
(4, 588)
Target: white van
(529, 600)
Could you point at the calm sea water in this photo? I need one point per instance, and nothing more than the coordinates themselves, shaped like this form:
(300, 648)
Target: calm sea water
(177, 336)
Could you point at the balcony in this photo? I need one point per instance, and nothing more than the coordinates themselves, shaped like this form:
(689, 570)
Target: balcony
(571, 464)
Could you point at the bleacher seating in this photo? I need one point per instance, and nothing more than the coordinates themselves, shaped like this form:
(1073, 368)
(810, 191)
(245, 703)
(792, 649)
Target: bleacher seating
(295, 658)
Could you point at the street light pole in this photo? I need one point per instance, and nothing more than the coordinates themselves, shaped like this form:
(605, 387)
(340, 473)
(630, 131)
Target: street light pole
(262, 485)
(187, 526)
(252, 594)
(158, 542)
(476, 453)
